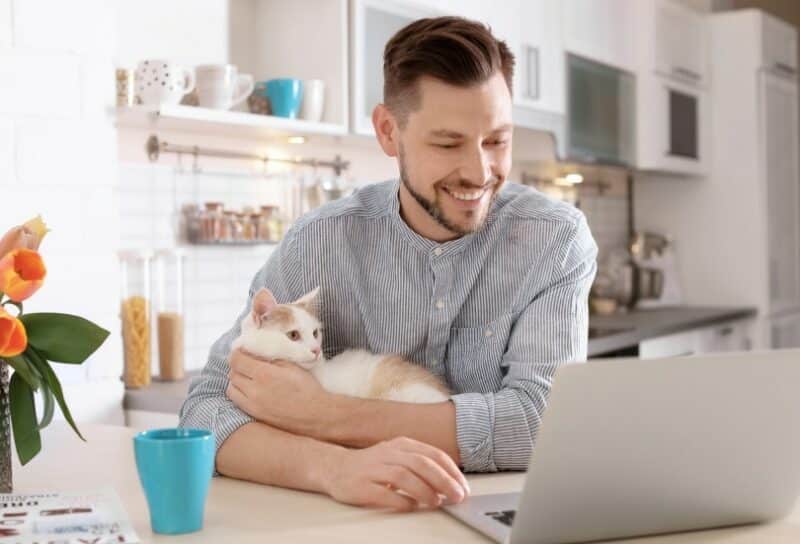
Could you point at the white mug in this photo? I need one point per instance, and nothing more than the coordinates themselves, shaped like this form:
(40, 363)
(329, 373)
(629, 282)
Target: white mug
(221, 86)
(160, 82)
(313, 100)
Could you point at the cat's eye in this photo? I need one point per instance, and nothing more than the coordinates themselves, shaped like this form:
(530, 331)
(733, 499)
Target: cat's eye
(293, 335)
(316, 333)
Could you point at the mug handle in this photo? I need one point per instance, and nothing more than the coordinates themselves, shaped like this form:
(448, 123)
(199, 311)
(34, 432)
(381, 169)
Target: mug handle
(244, 87)
(188, 80)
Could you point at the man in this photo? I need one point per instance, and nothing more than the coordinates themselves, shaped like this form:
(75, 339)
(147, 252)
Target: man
(482, 282)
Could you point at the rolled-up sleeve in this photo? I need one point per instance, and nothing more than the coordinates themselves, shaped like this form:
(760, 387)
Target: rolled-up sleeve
(496, 431)
(206, 405)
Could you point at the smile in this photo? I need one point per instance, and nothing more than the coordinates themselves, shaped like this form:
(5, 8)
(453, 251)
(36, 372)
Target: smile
(475, 195)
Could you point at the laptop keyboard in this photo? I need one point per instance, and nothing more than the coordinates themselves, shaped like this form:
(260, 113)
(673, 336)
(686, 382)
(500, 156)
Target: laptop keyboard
(505, 517)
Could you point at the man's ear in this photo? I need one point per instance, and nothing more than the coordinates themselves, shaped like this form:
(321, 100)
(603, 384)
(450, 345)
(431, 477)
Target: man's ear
(263, 303)
(310, 302)
(386, 131)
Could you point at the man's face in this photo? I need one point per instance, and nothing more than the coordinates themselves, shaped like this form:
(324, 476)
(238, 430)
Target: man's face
(455, 151)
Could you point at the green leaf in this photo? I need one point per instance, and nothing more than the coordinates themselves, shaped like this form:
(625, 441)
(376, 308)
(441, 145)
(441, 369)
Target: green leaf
(23, 418)
(48, 407)
(53, 384)
(25, 369)
(63, 338)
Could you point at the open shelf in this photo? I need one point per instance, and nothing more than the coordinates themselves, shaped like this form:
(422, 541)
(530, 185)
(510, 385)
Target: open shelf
(192, 118)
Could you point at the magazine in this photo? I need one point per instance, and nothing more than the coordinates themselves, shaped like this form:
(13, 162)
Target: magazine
(96, 517)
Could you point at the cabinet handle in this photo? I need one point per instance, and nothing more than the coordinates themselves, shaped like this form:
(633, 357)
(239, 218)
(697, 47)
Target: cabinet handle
(532, 67)
(785, 68)
(685, 72)
(725, 332)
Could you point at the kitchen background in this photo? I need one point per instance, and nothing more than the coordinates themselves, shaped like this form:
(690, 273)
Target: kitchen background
(672, 118)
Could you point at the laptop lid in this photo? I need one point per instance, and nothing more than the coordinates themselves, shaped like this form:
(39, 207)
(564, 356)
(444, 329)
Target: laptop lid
(633, 447)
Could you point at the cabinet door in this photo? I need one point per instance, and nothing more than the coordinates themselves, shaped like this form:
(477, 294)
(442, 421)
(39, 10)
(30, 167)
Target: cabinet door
(601, 30)
(681, 42)
(780, 127)
(539, 73)
(373, 23)
(671, 345)
(732, 336)
(785, 332)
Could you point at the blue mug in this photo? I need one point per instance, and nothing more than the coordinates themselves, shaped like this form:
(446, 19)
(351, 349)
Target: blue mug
(175, 467)
(285, 96)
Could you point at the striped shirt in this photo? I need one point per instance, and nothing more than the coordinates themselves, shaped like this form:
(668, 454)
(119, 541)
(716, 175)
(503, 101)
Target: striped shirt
(492, 313)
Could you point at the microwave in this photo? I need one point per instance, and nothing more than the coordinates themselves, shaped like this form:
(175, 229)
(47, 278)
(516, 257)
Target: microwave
(672, 125)
(601, 110)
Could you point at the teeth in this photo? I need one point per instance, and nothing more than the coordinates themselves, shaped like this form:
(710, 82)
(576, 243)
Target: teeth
(467, 196)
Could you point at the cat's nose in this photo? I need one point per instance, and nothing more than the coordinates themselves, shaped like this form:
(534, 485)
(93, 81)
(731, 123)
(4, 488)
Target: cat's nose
(315, 351)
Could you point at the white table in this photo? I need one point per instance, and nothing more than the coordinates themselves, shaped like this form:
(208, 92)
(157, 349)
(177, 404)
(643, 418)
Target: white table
(240, 512)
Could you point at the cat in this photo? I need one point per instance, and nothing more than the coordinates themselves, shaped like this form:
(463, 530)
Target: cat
(293, 332)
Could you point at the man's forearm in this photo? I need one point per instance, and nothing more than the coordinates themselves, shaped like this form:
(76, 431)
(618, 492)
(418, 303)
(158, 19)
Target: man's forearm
(259, 453)
(360, 423)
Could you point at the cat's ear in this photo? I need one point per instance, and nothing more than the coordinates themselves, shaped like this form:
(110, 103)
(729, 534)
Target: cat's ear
(310, 302)
(263, 303)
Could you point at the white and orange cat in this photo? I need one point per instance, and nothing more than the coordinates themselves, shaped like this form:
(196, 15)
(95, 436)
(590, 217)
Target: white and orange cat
(293, 332)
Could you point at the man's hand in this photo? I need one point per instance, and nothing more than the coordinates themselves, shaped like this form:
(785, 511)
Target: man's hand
(401, 474)
(276, 392)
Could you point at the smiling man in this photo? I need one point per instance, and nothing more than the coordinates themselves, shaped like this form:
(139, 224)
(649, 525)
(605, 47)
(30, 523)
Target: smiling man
(483, 282)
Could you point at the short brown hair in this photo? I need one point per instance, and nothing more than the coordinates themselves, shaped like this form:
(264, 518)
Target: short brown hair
(454, 50)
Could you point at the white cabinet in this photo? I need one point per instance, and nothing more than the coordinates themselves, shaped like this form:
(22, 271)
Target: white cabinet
(722, 337)
(672, 92)
(601, 30)
(539, 81)
(779, 46)
(785, 331)
(681, 40)
(779, 133)
(372, 24)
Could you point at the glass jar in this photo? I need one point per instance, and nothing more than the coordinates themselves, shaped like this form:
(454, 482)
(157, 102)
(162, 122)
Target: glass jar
(135, 316)
(170, 322)
(213, 222)
(228, 231)
(254, 224)
(193, 221)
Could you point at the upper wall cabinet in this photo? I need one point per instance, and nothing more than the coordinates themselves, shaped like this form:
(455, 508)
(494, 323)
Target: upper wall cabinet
(680, 48)
(530, 28)
(372, 24)
(601, 30)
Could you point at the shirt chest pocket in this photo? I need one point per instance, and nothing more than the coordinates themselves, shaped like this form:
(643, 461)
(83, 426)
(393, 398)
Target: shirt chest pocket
(474, 355)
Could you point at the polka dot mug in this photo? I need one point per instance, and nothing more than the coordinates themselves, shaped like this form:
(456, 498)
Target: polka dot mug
(160, 82)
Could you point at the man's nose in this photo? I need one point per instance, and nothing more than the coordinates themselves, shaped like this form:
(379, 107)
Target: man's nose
(477, 168)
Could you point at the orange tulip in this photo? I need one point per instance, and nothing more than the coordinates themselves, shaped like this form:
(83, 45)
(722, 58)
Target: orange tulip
(13, 339)
(22, 272)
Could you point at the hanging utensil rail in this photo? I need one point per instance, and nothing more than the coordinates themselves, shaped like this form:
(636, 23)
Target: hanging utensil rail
(155, 147)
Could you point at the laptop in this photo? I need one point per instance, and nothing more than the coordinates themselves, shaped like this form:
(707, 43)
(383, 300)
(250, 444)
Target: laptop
(633, 447)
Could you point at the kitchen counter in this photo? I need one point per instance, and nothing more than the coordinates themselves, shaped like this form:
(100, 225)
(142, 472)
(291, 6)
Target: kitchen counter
(244, 512)
(620, 331)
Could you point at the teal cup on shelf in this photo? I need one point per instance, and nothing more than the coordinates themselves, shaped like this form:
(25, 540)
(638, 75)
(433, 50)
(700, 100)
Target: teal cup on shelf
(285, 96)
(175, 468)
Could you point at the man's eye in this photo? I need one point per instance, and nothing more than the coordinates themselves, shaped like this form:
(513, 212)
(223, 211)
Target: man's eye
(446, 146)
(497, 142)
(293, 335)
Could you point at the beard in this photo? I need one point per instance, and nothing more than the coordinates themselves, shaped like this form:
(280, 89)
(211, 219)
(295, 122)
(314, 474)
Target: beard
(433, 207)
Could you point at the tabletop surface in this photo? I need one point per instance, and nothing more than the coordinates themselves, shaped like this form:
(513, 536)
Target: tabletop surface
(252, 513)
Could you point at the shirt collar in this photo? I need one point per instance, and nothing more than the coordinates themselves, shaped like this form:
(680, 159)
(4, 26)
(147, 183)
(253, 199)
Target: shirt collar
(439, 249)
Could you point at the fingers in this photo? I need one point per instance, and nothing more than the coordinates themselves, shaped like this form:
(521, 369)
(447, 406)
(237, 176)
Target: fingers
(402, 478)
(437, 455)
(240, 382)
(380, 496)
(236, 395)
(431, 473)
(242, 363)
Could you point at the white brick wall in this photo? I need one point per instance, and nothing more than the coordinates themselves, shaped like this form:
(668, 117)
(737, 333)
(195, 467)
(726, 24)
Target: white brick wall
(58, 158)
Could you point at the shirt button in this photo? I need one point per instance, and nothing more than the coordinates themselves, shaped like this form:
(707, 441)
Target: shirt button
(488, 333)
(437, 251)
(440, 304)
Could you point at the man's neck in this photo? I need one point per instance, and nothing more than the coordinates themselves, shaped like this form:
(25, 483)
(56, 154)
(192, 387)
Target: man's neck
(420, 221)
